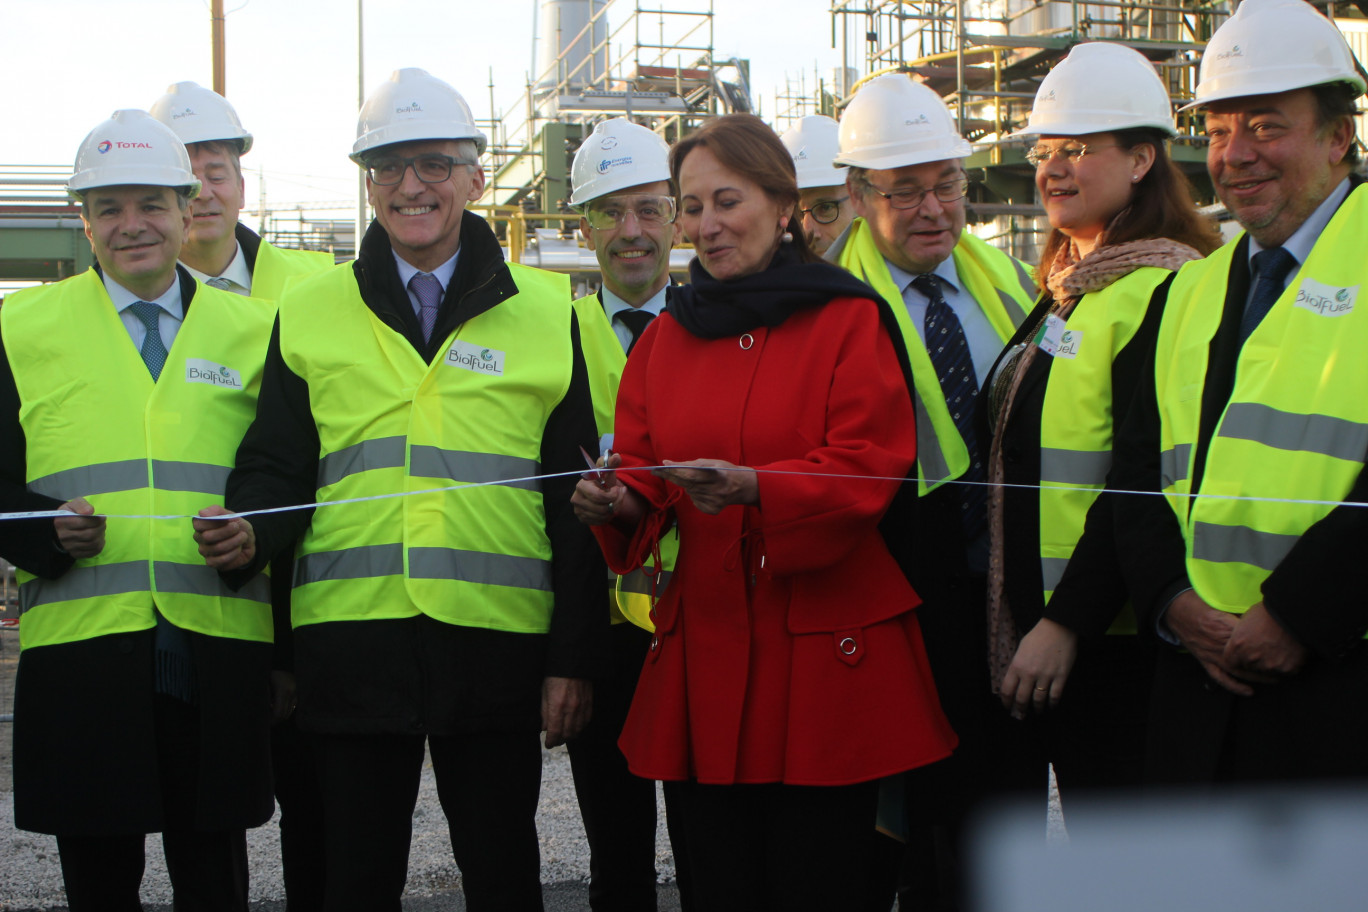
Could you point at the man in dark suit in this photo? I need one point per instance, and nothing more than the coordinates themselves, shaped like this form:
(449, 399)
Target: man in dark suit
(141, 701)
(1254, 408)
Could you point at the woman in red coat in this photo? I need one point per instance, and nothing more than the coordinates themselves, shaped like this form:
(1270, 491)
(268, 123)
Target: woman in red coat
(787, 674)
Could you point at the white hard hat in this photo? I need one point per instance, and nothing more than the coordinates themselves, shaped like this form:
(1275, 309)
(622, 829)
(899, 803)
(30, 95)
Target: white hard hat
(197, 114)
(894, 121)
(132, 147)
(813, 143)
(617, 155)
(1097, 88)
(411, 106)
(1273, 46)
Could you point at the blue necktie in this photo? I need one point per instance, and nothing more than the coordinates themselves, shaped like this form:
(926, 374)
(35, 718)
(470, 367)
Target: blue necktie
(428, 290)
(949, 351)
(153, 349)
(1271, 267)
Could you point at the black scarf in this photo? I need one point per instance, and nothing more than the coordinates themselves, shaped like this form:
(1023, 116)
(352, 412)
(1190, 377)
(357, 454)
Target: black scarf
(711, 309)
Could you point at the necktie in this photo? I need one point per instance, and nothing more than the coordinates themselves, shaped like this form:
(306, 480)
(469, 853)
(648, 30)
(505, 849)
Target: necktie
(1271, 266)
(153, 349)
(428, 291)
(636, 321)
(221, 282)
(949, 351)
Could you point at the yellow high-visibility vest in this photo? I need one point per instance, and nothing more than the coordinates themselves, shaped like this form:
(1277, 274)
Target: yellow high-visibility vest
(1296, 426)
(97, 427)
(275, 266)
(1003, 288)
(389, 422)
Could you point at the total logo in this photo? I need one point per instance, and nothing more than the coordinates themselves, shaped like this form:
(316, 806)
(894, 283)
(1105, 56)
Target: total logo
(476, 358)
(198, 370)
(107, 145)
(609, 164)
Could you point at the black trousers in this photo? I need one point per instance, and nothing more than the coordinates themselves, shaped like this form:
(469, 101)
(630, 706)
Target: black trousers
(619, 809)
(300, 799)
(488, 786)
(208, 870)
(754, 848)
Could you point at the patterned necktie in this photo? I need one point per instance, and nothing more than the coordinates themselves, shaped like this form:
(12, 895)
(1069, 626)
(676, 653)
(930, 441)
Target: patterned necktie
(221, 282)
(428, 291)
(636, 321)
(1271, 266)
(153, 349)
(949, 351)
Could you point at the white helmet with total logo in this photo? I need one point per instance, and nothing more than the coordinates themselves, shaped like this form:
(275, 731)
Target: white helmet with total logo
(413, 105)
(617, 155)
(1097, 88)
(1272, 46)
(197, 114)
(895, 121)
(814, 142)
(132, 148)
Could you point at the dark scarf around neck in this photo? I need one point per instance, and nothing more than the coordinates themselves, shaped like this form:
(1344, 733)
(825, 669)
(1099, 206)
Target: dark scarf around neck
(711, 309)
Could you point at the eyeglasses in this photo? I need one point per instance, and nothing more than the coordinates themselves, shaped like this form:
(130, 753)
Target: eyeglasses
(825, 212)
(430, 169)
(946, 192)
(1070, 152)
(651, 211)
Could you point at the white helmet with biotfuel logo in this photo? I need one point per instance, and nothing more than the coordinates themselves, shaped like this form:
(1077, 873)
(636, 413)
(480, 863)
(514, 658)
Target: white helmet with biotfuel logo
(412, 106)
(894, 121)
(814, 142)
(197, 114)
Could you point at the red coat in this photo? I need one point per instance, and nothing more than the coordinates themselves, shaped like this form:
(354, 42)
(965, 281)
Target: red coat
(787, 648)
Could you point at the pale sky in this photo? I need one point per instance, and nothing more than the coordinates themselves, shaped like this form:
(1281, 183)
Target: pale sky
(291, 67)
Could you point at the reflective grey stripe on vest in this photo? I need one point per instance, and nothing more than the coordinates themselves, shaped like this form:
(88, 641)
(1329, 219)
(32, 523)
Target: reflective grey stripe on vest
(1052, 571)
(480, 567)
(1323, 434)
(198, 477)
(130, 475)
(101, 478)
(1174, 465)
(1078, 467)
(380, 453)
(930, 459)
(362, 562)
(639, 582)
(1014, 311)
(85, 582)
(190, 579)
(1028, 286)
(102, 580)
(1230, 544)
(460, 465)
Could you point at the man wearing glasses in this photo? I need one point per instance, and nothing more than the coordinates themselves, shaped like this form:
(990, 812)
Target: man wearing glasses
(822, 195)
(621, 184)
(958, 300)
(460, 620)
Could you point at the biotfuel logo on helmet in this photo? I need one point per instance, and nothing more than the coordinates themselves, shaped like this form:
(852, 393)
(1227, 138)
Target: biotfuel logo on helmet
(410, 108)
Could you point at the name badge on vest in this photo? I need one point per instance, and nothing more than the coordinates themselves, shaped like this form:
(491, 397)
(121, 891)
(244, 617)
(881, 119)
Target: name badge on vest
(475, 358)
(197, 370)
(1057, 341)
(1326, 300)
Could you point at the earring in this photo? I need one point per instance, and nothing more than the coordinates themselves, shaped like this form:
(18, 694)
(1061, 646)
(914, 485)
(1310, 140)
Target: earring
(1135, 178)
(786, 237)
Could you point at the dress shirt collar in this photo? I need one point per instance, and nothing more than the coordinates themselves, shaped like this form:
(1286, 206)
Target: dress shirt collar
(945, 271)
(1305, 237)
(237, 272)
(169, 301)
(612, 304)
(443, 273)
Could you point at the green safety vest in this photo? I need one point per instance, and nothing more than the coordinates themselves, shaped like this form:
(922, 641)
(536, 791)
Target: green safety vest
(96, 426)
(389, 422)
(276, 266)
(1003, 288)
(635, 593)
(1076, 426)
(1296, 425)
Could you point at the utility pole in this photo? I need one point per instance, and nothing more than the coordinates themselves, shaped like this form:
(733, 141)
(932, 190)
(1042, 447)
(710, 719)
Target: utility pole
(361, 220)
(216, 39)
